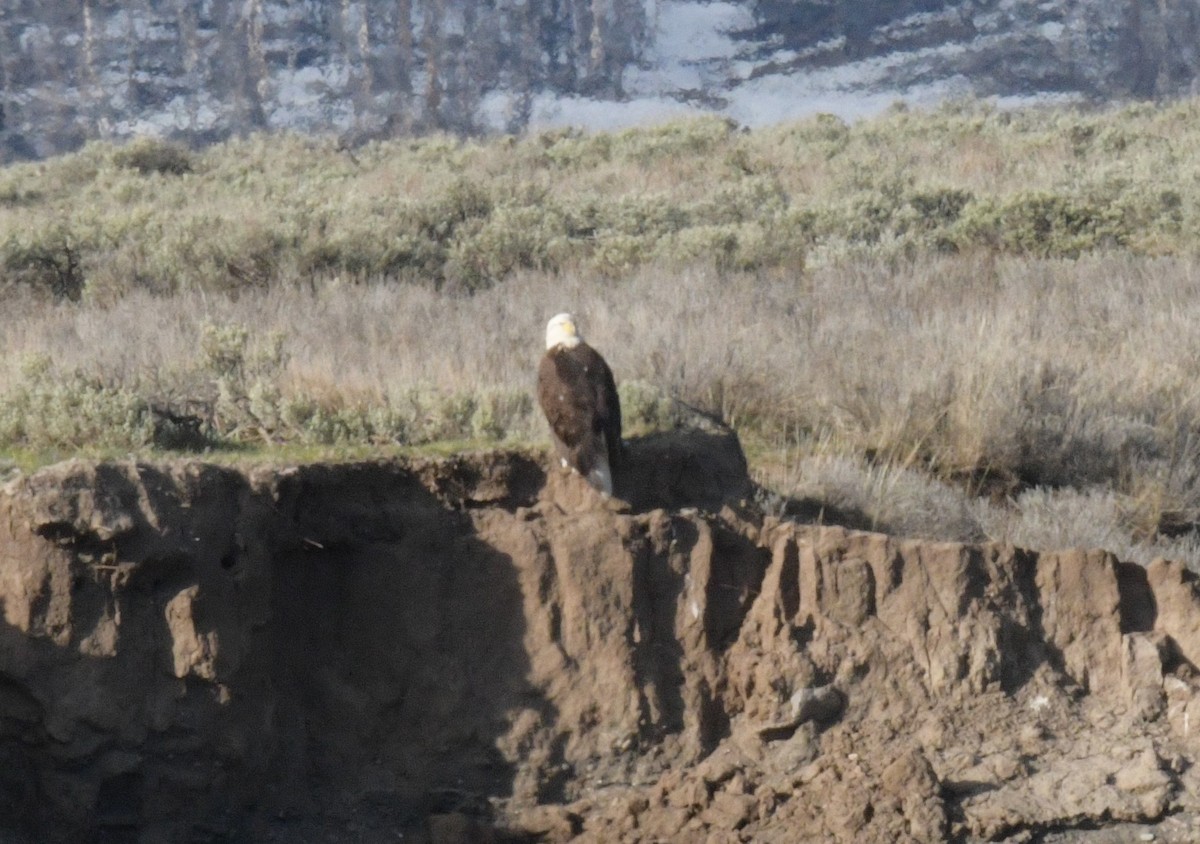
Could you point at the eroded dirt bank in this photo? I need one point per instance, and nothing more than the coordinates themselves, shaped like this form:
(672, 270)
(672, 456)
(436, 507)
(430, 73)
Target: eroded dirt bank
(471, 650)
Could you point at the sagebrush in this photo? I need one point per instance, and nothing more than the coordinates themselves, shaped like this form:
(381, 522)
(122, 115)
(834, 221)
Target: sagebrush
(890, 312)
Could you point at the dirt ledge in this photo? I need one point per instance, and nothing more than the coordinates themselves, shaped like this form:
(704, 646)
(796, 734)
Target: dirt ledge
(479, 649)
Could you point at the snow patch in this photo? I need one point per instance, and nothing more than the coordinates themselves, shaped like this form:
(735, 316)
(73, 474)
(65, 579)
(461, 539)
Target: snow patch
(553, 111)
(700, 63)
(1052, 31)
(693, 32)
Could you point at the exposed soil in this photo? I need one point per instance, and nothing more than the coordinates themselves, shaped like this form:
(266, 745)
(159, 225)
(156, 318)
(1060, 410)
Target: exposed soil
(476, 649)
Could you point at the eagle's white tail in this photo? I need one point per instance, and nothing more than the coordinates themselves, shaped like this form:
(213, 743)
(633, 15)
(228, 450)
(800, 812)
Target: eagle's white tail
(601, 475)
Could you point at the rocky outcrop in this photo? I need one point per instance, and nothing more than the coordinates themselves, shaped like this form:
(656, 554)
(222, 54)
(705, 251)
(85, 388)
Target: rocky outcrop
(472, 649)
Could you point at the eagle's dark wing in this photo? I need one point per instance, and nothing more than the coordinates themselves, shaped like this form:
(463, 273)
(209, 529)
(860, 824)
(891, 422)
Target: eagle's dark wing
(578, 394)
(608, 405)
(569, 405)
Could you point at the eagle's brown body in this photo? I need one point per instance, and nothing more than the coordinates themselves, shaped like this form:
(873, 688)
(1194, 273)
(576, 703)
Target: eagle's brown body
(579, 397)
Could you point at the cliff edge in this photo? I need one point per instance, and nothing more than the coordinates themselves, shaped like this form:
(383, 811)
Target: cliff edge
(476, 649)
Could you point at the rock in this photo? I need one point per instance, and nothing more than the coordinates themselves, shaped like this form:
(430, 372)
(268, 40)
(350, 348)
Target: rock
(456, 828)
(1145, 778)
(443, 650)
(729, 811)
(551, 824)
(911, 781)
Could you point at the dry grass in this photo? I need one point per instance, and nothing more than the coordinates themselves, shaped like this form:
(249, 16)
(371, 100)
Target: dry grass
(1012, 371)
(890, 317)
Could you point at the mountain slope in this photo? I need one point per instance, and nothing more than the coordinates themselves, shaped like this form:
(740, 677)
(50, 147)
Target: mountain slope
(69, 73)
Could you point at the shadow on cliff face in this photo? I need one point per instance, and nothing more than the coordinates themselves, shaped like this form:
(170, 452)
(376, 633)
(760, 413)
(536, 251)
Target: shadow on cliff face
(684, 468)
(397, 639)
(115, 582)
(186, 650)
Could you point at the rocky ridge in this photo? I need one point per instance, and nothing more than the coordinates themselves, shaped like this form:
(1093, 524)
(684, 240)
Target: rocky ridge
(477, 649)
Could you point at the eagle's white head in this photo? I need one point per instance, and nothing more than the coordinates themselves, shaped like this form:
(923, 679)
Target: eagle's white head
(561, 331)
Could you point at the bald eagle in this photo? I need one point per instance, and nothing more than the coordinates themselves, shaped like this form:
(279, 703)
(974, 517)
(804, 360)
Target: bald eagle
(579, 397)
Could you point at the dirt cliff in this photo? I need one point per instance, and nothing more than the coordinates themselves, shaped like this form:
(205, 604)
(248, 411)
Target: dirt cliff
(476, 649)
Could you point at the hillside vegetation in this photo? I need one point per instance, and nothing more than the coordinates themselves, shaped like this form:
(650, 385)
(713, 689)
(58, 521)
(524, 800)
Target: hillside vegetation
(965, 323)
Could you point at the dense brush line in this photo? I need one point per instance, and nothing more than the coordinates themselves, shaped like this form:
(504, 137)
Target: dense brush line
(469, 214)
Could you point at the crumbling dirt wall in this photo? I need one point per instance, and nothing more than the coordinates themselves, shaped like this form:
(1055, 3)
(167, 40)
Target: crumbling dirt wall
(472, 649)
